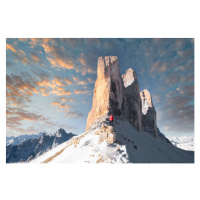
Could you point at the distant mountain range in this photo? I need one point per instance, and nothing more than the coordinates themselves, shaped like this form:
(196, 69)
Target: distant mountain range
(26, 147)
(17, 140)
(186, 143)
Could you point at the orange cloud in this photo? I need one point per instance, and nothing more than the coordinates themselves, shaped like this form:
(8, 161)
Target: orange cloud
(35, 57)
(60, 93)
(80, 91)
(59, 89)
(75, 78)
(58, 82)
(90, 80)
(21, 114)
(25, 60)
(82, 61)
(20, 52)
(68, 81)
(56, 85)
(82, 83)
(45, 94)
(10, 47)
(60, 105)
(60, 63)
(55, 103)
(57, 56)
(66, 99)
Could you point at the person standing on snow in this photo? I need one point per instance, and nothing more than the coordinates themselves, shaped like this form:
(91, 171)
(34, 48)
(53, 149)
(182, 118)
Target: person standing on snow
(111, 120)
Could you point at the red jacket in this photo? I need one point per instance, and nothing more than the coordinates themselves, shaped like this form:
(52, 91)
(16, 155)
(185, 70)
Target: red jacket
(111, 118)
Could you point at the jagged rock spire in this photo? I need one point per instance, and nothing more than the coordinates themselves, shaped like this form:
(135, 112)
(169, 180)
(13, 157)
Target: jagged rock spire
(146, 100)
(120, 96)
(149, 113)
(132, 88)
(108, 90)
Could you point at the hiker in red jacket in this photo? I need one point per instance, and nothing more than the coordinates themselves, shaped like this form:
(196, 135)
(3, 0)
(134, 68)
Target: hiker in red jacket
(111, 120)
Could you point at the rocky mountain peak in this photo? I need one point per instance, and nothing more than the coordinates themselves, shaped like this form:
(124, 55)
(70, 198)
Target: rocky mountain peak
(129, 77)
(120, 96)
(149, 120)
(107, 95)
(108, 66)
(132, 89)
(146, 100)
(60, 132)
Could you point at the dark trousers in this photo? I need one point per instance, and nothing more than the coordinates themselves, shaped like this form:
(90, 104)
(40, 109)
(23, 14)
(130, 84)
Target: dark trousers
(111, 123)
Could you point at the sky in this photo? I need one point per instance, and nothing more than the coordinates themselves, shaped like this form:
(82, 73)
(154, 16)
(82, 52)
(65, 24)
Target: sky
(50, 82)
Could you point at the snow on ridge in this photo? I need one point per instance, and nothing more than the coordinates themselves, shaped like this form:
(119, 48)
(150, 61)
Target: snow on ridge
(131, 147)
(183, 142)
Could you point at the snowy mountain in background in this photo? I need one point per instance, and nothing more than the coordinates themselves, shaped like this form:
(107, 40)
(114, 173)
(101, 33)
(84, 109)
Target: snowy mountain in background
(17, 140)
(35, 147)
(186, 143)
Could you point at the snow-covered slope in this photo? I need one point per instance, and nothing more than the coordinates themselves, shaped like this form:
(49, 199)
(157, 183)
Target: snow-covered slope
(186, 143)
(131, 147)
(32, 148)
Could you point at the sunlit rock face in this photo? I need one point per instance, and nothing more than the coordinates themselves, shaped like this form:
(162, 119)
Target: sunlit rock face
(132, 88)
(149, 113)
(119, 95)
(108, 90)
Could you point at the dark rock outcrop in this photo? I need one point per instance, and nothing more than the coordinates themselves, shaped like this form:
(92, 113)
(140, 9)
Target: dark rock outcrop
(132, 88)
(149, 123)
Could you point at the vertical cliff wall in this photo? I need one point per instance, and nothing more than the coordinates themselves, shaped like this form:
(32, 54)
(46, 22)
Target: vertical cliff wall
(149, 113)
(108, 90)
(120, 96)
(132, 88)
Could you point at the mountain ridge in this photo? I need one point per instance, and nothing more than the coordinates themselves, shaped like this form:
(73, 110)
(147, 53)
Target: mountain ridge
(31, 148)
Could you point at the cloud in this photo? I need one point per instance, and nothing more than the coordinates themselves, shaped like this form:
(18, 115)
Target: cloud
(179, 101)
(11, 47)
(90, 80)
(15, 116)
(35, 58)
(19, 55)
(60, 105)
(56, 55)
(177, 119)
(19, 91)
(159, 66)
(80, 91)
(57, 86)
(82, 83)
(74, 114)
(60, 91)
(172, 78)
(73, 42)
(76, 79)
(64, 99)
(60, 63)
(68, 81)
(187, 90)
(82, 61)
